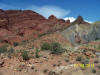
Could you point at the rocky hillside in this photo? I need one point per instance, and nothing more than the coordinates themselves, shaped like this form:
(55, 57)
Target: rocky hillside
(31, 44)
(81, 32)
(26, 24)
(18, 25)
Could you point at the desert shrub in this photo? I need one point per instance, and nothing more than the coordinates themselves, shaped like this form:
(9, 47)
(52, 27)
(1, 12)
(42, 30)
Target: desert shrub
(92, 56)
(15, 44)
(42, 35)
(79, 58)
(95, 46)
(93, 70)
(56, 48)
(98, 46)
(51, 73)
(11, 50)
(45, 46)
(84, 51)
(3, 49)
(85, 61)
(25, 55)
(23, 42)
(87, 45)
(87, 57)
(99, 66)
(66, 60)
(37, 53)
(45, 70)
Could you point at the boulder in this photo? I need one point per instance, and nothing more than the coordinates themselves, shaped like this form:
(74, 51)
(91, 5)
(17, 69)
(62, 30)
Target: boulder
(1, 63)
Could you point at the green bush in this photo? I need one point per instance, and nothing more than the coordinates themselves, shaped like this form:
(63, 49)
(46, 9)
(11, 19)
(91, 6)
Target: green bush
(79, 58)
(84, 51)
(11, 50)
(25, 55)
(37, 53)
(93, 70)
(45, 46)
(3, 49)
(94, 46)
(56, 48)
(41, 35)
(98, 46)
(99, 66)
(85, 61)
(15, 44)
(92, 56)
(45, 70)
(23, 42)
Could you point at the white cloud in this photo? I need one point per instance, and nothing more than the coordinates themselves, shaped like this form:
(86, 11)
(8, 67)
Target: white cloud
(88, 21)
(46, 10)
(73, 19)
(43, 10)
(70, 18)
(50, 10)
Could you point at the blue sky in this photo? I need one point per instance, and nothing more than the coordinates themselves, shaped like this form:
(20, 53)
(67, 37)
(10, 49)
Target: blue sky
(89, 9)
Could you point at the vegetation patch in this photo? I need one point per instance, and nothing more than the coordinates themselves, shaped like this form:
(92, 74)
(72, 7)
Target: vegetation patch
(45, 70)
(25, 55)
(42, 35)
(93, 70)
(99, 66)
(11, 50)
(98, 46)
(85, 61)
(45, 46)
(15, 44)
(79, 58)
(37, 53)
(54, 47)
(24, 42)
(3, 49)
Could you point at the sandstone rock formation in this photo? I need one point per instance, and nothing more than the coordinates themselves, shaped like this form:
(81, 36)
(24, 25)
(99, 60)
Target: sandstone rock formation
(27, 23)
(80, 20)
